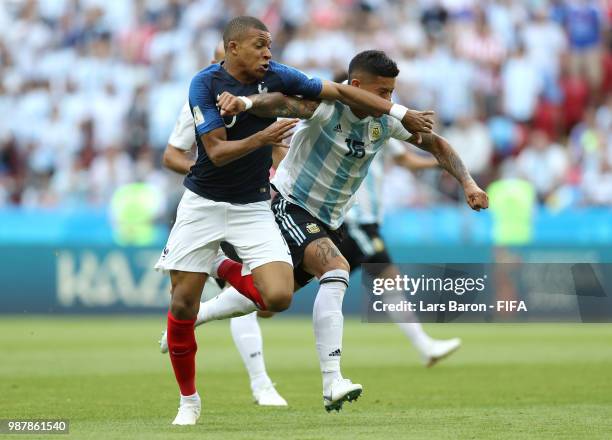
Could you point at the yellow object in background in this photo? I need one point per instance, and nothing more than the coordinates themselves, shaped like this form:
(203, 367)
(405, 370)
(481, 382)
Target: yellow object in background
(135, 208)
(512, 203)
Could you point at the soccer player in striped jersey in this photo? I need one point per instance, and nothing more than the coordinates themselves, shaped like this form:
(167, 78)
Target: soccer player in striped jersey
(327, 161)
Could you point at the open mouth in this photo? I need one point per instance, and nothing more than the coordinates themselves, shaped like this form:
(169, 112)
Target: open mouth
(264, 67)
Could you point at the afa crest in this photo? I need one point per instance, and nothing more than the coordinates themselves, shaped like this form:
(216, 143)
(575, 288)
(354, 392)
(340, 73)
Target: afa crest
(378, 244)
(312, 228)
(375, 131)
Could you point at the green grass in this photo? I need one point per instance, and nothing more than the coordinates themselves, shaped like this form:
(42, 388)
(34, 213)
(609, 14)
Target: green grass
(508, 381)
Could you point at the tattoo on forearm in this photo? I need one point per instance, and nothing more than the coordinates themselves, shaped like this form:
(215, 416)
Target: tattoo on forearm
(326, 250)
(446, 156)
(451, 162)
(273, 105)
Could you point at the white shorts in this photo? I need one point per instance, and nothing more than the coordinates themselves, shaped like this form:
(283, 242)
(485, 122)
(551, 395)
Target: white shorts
(202, 224)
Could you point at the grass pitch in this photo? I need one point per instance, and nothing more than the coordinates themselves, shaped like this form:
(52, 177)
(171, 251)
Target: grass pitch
(507, 381)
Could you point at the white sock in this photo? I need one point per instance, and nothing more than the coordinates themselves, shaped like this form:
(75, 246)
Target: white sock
(247, 337)
(227, 304)
(190, 400)
(328, 324)
(414, 331)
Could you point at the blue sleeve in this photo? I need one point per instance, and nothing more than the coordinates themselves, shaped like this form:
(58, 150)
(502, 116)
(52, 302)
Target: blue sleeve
(297, 83)
(203, 105)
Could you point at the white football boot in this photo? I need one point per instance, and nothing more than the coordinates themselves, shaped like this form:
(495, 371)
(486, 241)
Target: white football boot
(341, 390)
(188, 412)
(268, 396)
(439, 349)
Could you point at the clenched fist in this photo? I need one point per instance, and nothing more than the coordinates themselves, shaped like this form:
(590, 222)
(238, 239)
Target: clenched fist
(475, 197)
(416, 121)
(230, 105)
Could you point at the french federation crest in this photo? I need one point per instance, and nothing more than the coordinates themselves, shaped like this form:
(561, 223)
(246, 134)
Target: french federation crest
(375, 131)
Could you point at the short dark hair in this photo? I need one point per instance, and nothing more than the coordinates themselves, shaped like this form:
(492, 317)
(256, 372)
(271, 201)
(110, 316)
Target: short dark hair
(375, 62)
(239, 25)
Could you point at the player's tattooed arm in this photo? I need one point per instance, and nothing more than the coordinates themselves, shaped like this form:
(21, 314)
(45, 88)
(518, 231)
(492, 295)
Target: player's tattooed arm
(449, 160)
(277, 105)
(269, 105)
(414, 121)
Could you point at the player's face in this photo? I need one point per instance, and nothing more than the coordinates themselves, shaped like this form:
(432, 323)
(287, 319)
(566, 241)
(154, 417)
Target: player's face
(254, 52)
(379, 85)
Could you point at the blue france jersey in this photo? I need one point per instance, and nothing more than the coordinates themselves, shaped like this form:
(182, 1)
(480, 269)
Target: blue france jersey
(247, 179)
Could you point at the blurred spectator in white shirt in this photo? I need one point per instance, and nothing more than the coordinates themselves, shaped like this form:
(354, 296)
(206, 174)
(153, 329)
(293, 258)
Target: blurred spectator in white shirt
(521, 87)
(471, 139)
(543, 163)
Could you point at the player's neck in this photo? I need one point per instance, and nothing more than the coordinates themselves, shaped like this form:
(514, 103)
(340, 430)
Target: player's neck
(238, 73)
(358, 113)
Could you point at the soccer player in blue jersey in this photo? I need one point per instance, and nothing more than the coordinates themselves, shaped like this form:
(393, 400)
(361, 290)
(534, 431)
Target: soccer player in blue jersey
(179, 156)
(228, 188)
(327, 161)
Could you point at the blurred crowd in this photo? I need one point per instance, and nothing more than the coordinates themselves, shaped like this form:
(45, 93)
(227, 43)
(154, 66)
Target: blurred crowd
(90, 89)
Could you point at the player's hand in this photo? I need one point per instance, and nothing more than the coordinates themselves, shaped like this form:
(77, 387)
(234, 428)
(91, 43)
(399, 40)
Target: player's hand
(280, 145)
(230, 105)
(415, 122)
(475, 197)
(275, 133)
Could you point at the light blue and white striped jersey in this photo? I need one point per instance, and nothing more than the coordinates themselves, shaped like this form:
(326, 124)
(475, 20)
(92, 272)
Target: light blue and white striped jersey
(329, 157)
(368, 201)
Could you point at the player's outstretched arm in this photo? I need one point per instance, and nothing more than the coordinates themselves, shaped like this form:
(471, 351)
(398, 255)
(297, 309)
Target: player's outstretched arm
(268, 105)
(277, 105)
(414, 121)
(448, 158)
(221, 151)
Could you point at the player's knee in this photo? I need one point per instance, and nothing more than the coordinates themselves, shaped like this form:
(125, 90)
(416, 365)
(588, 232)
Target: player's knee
(265, 314)
(342, 264)
(278, 300)
(337, 263)
(183, 307)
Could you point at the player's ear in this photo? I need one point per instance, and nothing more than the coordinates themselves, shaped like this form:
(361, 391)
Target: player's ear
(232, 47)
(355, 82)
